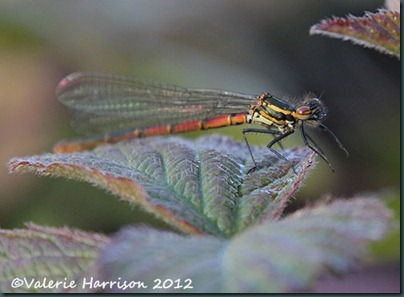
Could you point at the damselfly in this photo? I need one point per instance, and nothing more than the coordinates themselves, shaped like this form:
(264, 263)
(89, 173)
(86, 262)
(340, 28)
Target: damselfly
(117, 108)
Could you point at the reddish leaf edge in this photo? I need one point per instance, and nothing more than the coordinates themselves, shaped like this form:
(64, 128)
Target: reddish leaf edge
(113, 184)
(322, 28)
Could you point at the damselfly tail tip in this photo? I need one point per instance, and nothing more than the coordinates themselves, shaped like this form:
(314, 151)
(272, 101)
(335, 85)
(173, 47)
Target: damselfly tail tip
(63, 147)
(66, 146)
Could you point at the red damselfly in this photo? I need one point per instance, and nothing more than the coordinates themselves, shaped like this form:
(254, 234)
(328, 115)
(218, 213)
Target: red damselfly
(117, 108)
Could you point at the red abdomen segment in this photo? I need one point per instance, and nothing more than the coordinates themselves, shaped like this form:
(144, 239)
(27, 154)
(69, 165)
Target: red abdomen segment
(68, 146)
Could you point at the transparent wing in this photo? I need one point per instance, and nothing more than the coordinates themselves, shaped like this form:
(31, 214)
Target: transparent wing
(103, 102)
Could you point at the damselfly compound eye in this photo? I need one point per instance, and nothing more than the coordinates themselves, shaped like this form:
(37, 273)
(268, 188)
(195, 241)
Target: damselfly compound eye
(303, 112)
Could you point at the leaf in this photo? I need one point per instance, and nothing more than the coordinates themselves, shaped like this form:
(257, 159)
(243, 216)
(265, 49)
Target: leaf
(56, 254)
(380, 30)
(200, 187)
(282, 256)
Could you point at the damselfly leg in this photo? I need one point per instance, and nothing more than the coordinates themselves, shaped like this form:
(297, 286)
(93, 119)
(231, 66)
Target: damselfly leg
(326, 129)
(278, 137)
(314, 147)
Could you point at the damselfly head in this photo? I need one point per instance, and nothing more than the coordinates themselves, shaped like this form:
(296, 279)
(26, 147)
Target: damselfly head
(318, 110)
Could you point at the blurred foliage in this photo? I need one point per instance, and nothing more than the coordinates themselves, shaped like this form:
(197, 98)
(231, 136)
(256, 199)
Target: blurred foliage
(389, 249)
(15, 36)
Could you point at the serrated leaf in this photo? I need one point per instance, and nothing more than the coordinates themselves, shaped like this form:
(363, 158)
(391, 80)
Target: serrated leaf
(380, 30)
(282, 256)
(200, 186)
(33, 257)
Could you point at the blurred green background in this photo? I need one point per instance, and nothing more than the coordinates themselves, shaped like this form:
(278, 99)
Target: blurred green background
(248, 46)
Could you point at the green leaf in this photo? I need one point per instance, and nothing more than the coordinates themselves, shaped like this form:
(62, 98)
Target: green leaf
(282, 256)
(380, 30)
(200, 187)
(56, 254)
